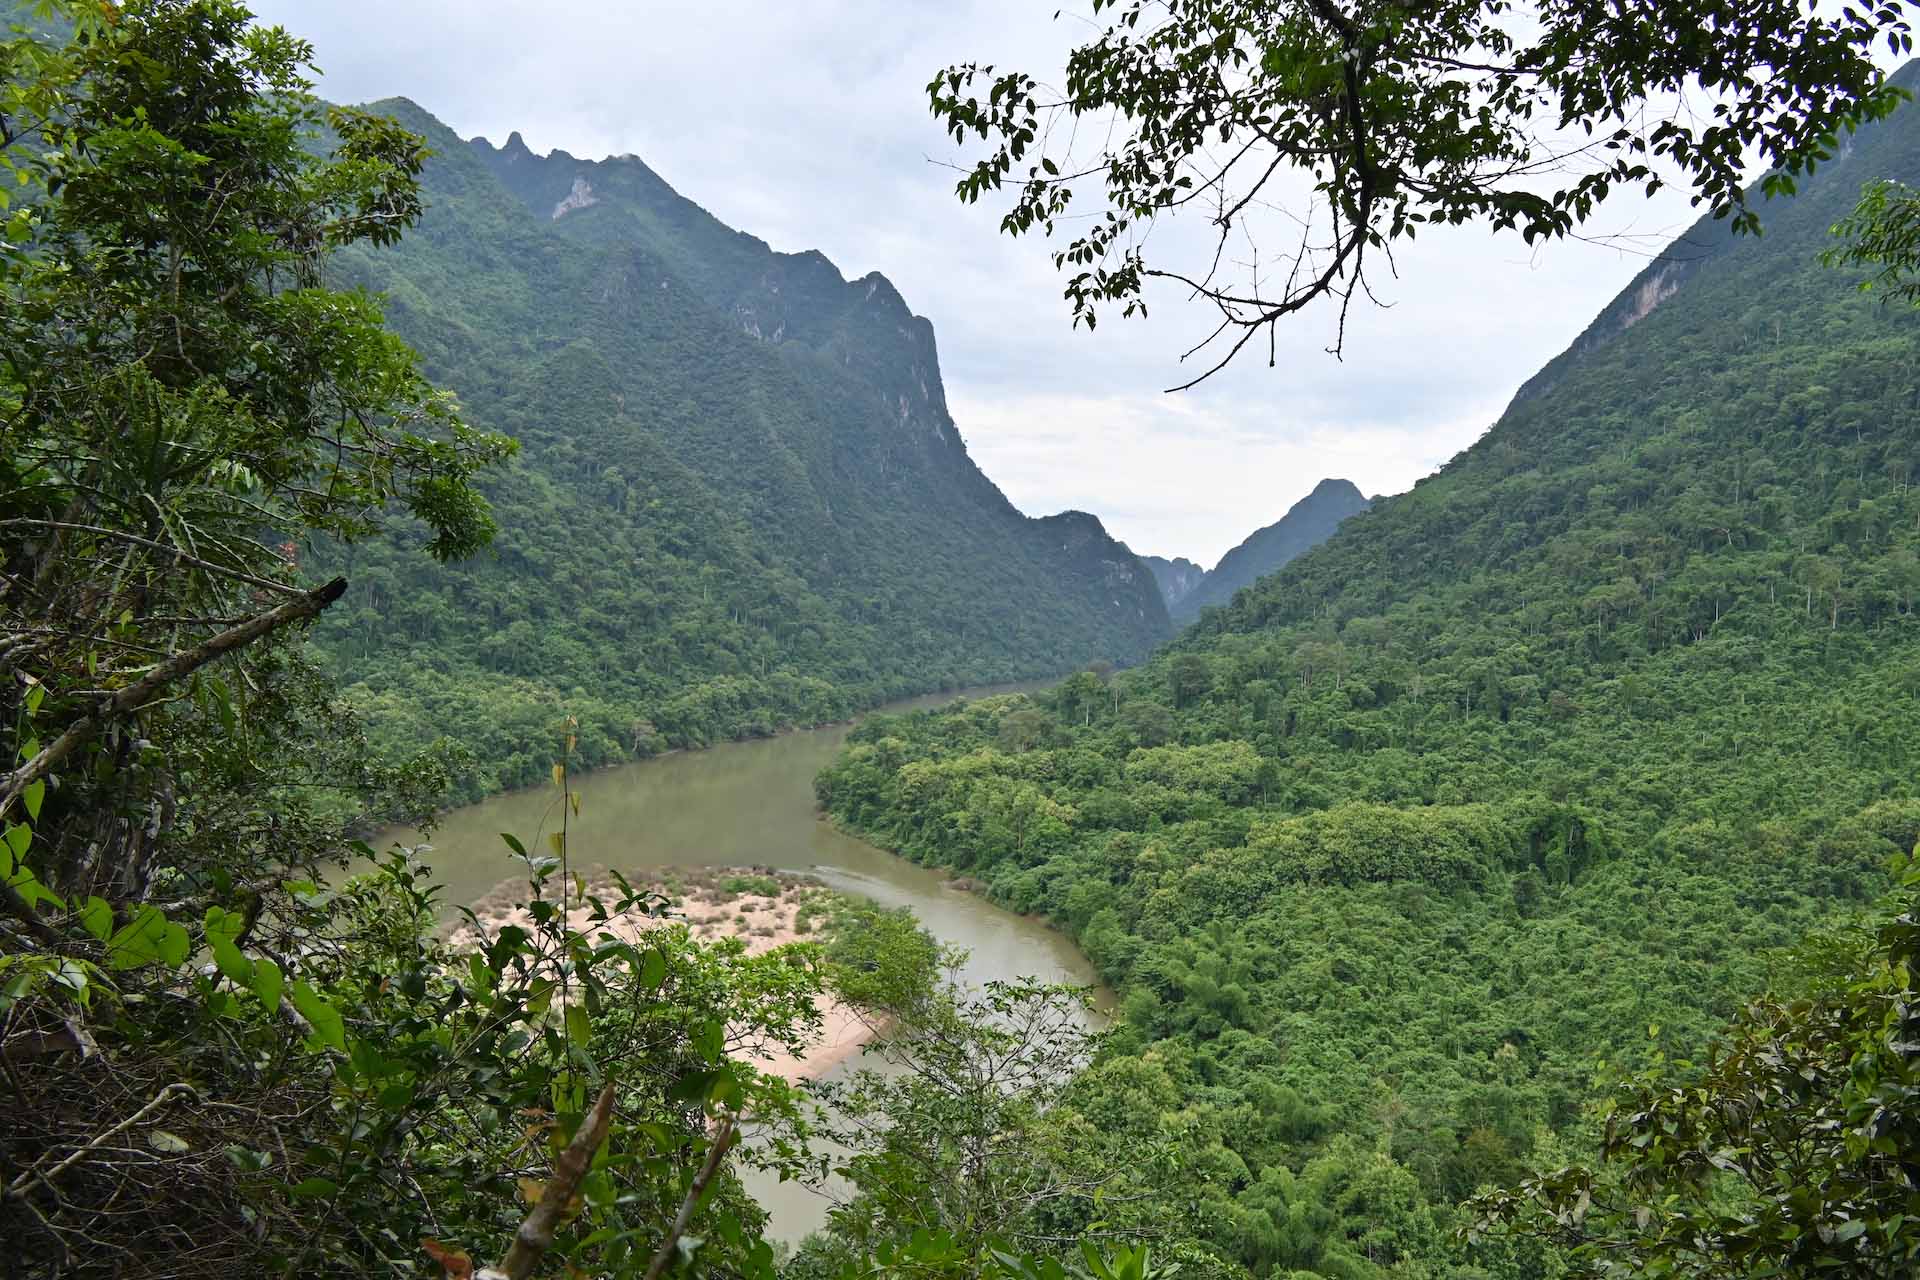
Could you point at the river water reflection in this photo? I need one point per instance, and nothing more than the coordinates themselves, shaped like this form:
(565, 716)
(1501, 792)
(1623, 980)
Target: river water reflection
(745, 803)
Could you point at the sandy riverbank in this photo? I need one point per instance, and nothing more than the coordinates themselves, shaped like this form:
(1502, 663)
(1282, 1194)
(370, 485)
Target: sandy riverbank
(763, 907)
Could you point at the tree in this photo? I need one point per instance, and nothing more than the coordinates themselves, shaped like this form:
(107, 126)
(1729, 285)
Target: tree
(1188, 677)
(1787, 1152)
(1394, 117)
(183, 404)
(959, 1134)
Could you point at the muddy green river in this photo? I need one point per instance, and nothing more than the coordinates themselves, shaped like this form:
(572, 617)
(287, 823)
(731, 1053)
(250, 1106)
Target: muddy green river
(745, 803)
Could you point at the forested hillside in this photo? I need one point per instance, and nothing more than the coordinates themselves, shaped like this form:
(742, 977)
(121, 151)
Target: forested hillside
(1308, 523)
(1530, 768)
(739, 502)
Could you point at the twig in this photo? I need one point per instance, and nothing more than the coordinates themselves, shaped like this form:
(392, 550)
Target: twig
(18, 1188)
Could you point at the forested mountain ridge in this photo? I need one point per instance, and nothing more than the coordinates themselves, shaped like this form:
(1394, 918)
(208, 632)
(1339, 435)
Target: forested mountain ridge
(1526, 769)
(1308, 523)
(740, 501)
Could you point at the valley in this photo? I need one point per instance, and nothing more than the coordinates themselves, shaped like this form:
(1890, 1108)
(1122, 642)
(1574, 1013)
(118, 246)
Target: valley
(537, 753)
(738, 488)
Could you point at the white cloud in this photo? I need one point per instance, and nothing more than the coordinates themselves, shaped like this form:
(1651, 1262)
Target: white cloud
(806, 125)
(1174, 477)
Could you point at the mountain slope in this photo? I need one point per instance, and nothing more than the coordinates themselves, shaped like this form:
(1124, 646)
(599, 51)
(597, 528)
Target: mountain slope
(1307, 524)
(1528, 769)
(1175, 577)
(740, 503)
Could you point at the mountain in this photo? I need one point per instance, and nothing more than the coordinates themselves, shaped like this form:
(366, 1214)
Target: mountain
(1175, 577)
(740, 501)
(1307, 524)
(1534, 767)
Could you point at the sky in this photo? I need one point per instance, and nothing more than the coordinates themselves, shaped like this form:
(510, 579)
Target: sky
(807, 125)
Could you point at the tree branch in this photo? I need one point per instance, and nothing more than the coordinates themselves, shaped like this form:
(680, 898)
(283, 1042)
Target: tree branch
(535, 1236)
(267, 584)
(20, 1185)
(134, 696)
(715, 1153)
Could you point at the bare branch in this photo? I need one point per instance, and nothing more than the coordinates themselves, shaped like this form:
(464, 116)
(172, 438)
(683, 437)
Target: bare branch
(535, 1236)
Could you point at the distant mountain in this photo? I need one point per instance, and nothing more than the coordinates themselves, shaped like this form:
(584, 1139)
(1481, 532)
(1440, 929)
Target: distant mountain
(1176, 578)
(741, 502)
(1307, 524)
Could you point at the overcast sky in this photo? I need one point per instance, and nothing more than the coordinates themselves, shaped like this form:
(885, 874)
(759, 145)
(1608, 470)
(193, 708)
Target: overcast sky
(806, 125)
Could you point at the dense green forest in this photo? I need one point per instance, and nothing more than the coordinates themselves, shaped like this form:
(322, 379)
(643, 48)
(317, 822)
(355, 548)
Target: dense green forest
(1538, 765)
(1533, 768)
(739, 502)
(1308, 523)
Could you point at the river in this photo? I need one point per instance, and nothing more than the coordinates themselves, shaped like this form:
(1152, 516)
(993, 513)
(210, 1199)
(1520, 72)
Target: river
(745, 803)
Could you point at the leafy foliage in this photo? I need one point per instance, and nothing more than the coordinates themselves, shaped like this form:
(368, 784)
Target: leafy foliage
(1883, 231)
(1393, 117)
(1389, 853)
(1788, 1151)
(216, 1067)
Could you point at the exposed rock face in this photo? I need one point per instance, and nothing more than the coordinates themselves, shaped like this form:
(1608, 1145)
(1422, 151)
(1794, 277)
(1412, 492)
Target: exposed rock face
(1177, 578)
(1650, 293)
(578, 197)
(1310, 522)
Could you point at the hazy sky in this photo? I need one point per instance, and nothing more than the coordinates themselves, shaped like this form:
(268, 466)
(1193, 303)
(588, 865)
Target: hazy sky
(806, 125)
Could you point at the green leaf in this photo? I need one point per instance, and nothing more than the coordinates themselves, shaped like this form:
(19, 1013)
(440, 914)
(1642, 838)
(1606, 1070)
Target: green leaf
(328, 1027)
(692, 1087)
(267, 983)
(96, 917)
(579, 1029)
(223, 927)
(173, 945)
(31, 798)
(137, 942)
(28, 886)
(653, 970)
(18, 837)
(313, 1189)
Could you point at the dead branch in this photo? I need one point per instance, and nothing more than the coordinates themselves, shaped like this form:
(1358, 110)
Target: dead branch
(19, 1186)
(535, 1236)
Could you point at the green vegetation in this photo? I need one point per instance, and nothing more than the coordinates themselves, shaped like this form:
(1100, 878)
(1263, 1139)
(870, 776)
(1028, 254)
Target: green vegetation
(1359, 124)
(738, 490)
(1390, 854)
(214, 1068)
(1882, 232)
(1307, 524)
(764, 886)
(1538, 765)
(1788, 1152)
